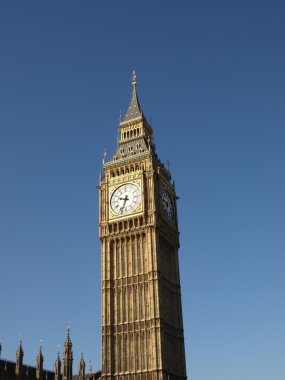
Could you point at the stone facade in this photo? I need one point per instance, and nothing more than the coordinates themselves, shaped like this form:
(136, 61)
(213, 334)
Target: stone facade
(142, 328)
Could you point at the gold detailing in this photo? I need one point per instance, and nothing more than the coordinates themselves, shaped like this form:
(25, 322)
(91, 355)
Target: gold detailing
(115, 186)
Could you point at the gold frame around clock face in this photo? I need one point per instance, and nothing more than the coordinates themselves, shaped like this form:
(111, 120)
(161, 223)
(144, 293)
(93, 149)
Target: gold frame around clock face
(125, 199)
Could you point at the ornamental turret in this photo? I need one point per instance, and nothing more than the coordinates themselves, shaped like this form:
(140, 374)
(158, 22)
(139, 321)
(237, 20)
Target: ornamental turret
(81, 368)
(67, 358)
(39, 368)
(19, 359)
(57, 368)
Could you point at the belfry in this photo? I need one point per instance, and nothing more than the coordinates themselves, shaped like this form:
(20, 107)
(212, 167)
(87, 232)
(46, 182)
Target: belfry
(142, 327)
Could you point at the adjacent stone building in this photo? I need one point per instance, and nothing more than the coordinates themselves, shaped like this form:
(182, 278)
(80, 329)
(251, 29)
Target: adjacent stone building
(17, 370)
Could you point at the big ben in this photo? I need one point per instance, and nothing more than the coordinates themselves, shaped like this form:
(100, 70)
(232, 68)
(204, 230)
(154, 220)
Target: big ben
(142, 326)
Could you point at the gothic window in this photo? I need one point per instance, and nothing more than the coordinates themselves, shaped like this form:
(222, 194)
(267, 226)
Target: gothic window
(118, 261)
(143, 351)
(136, 303)
(142, 303)
(123, 258)
(125, 354)
(147, 301)
(139, 255)
(137, 353)
(121, 354)
(134, 256)
(148, 350)
(108, 349)
(129, 258)
(124, 306)
(131, 305)
(132, 354)
(119, 306)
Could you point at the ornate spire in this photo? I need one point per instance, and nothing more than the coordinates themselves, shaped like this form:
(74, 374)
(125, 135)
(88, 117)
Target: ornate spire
(40, 360)
(135, 133)
(67, 357)
(134, 110)
(19, 358)
(57, 367)
(81, 367)
(68, 343)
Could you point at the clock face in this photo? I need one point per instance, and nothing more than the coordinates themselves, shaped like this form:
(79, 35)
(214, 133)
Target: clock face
(125, 199)
(167, 204)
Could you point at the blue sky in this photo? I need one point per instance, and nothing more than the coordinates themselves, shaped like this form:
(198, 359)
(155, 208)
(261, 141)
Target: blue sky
(211, 78)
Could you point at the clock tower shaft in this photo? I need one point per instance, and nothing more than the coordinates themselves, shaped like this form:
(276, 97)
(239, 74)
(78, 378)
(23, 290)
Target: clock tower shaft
(142, 327)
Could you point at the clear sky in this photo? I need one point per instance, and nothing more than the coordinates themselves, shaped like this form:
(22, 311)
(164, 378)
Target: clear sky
(211, 77)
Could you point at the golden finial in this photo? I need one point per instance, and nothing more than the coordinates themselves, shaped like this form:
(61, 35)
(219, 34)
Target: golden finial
(134, 78)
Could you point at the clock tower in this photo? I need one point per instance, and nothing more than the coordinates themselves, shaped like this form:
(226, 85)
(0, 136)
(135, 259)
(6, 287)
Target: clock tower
(142, 327)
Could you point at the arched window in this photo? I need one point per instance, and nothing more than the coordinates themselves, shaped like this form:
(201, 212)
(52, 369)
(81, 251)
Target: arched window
(121, 354)
(137, 353)
(123, 258)
(143, 352)
(118, 260)
(125, 354)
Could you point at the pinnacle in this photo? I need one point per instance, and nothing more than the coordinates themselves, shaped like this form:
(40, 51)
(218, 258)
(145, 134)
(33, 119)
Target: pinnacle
(134, 110)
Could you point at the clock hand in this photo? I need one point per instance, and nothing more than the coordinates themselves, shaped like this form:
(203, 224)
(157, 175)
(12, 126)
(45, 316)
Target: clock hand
(125, 200)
